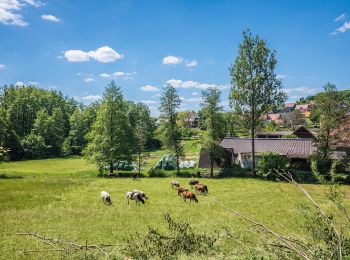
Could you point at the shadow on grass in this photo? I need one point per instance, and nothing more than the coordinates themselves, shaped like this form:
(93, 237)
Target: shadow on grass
(5, 176)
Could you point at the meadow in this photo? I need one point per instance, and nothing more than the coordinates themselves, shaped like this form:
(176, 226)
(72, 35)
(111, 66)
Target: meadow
(61, 198)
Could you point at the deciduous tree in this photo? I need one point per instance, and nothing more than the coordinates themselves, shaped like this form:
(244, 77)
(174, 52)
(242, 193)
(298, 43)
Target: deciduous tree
(109, 138)
(255, 86)
(331, 108)
(214, 124)
(170, 132)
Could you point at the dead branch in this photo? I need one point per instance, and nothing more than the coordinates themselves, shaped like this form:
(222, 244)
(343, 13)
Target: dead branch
(285, 241)
(288, 177)
(61, 245)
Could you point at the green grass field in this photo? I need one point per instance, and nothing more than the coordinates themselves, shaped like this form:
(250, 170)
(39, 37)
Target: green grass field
(61, 198)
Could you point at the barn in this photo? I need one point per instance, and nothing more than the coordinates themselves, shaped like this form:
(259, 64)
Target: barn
(297, 149)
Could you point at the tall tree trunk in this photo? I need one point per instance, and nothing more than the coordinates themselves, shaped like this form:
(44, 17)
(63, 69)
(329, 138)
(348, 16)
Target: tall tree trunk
(253, 143)
(326, 149)
(211, 167)
(139, 173)
(177, 164)
(110, 167)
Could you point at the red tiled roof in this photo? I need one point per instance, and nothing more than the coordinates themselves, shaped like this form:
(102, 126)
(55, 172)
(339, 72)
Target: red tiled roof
(274, 117)
(306, 107)
(291, 147)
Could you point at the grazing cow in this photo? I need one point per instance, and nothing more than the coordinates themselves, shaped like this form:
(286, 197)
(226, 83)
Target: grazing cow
(180, 190)
(192, 183)
(137, 196)
(106, 198)
(201, 188)
(175, 184)
(189, 195)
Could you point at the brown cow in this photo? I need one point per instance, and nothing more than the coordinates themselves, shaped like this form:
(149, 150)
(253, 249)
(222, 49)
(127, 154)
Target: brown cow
(189, 195)
(201, 187)
(180, 190)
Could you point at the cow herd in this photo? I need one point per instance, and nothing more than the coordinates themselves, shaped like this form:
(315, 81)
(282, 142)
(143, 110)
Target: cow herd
(140, 196)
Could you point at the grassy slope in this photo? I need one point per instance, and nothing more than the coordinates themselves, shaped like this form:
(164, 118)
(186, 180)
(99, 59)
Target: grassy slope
(60, 197)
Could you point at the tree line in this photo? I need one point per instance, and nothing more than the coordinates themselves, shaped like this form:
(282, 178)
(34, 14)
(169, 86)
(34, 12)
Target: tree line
(37, 123)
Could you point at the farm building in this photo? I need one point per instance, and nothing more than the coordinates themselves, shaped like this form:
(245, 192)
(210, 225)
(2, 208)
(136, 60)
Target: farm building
(300, 132)
(297, 149)
(193, 120)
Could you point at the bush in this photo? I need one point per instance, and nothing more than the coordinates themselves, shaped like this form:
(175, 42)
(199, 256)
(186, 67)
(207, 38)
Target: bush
(34, 147)
(180, 239)
(156, 173)
(66, 148)
(269, 162)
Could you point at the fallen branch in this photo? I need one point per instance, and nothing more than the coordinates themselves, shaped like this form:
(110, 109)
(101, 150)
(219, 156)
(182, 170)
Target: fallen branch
(286, 242)
(288, 177)
(61, 245)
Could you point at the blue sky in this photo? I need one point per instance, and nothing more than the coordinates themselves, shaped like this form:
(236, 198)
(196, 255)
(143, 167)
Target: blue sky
(79, 46)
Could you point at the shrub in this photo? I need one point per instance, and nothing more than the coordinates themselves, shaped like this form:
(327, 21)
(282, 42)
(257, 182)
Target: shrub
(180, 239)
(156, 173)
(34, 147)
(269, 162)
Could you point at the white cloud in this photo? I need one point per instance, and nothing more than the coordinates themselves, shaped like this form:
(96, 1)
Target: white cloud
(156, 95)
(192, 64)
(33, 83)
(34, 3)
(194, 94)
(281, 76)
(91, 98)
(119, 74)
(50, 17)
(172, 60)
(104, 75)
(76, 55)
(10, 11)
(342, 29)
(89, 79)
(2, 66)
(104, 54)
(19, 84)
(340, 17)
(149, 88)
(191, 100)
(149, 102)
(178, 83)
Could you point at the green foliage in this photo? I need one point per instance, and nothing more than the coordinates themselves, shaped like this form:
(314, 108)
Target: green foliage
(20, 108)
(143, 132)
(180, 239)
(269, 162)
(328, 241)
(169, 131)
(331, 108)
(80, 124)
(154, 172)
(255, 87)
(34, 147)
(183, 119)
(214, 123)
(110, 138)
(326, 170)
